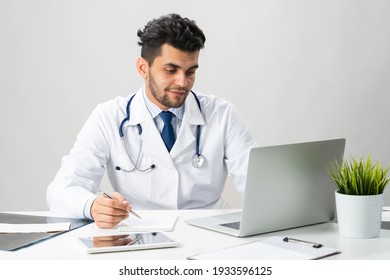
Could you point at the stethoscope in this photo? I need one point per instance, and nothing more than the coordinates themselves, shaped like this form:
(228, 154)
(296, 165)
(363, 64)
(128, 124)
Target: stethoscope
(197, 159)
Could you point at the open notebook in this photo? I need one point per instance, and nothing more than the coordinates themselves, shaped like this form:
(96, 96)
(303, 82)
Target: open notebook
(272, 248)
(150, 222)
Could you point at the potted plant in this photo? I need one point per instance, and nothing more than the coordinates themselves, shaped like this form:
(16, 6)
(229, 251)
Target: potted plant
(359, 196)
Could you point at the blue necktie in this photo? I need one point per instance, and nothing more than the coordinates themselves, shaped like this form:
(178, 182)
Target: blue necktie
(167, 133)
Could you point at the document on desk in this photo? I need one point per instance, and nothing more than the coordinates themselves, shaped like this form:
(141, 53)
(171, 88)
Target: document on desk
(272, 248)
(29, 228)
(150, 222)
(386, 214)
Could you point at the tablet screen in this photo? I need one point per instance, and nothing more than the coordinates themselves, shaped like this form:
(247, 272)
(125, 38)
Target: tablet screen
(127, 242)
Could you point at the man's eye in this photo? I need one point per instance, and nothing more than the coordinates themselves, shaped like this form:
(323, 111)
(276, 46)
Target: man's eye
(170, 71)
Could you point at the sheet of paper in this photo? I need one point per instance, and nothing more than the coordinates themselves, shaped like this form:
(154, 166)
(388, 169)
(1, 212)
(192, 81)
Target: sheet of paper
(150, 222)
(272, 248)
(25, 228)
(386, 214)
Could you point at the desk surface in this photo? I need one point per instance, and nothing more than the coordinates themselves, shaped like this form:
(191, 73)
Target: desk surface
(195, 241)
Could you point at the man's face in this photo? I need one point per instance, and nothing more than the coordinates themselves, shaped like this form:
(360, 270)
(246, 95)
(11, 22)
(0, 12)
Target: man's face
(171, 76)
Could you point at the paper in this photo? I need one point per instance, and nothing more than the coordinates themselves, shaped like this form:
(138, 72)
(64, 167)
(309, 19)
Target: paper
(150, 222)
(26, 228)
(386, 214)
(272, 248)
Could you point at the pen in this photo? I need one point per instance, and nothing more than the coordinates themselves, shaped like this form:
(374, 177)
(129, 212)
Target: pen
(315, 245)
(110, 197)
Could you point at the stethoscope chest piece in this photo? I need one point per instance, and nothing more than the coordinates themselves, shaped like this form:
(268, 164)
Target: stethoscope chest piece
(197, 161)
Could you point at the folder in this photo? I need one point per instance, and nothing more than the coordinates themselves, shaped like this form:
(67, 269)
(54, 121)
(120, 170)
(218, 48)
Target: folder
(15, 241)
(28, 228)
(272, 248)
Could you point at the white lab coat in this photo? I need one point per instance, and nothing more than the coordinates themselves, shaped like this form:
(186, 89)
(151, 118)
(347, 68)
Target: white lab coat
(174, 183)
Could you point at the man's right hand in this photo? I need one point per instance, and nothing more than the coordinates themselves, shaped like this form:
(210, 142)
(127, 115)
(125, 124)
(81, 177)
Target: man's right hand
(107, 212)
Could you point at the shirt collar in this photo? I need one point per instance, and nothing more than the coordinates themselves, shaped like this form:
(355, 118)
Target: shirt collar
(155, 110)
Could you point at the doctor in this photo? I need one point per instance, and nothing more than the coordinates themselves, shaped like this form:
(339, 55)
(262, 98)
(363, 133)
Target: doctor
(153, 161)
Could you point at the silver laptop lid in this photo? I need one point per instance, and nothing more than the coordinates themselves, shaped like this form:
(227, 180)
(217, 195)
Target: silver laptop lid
(289, 186)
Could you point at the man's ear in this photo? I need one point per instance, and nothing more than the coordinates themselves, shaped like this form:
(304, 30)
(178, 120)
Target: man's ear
(142, 67)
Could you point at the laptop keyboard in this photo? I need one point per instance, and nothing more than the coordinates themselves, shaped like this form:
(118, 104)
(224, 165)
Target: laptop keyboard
(235, 225)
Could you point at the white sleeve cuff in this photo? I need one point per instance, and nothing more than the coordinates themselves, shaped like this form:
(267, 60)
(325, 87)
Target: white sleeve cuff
(87, 208)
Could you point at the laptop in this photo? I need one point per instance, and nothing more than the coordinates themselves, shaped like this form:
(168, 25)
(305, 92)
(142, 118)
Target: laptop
(287, 186)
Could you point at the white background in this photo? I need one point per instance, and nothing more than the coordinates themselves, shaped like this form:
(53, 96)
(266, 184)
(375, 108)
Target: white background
(109, 269)
(298, 70)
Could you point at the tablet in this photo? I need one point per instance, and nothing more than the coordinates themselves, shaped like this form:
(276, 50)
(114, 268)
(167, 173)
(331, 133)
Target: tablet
(126, 242)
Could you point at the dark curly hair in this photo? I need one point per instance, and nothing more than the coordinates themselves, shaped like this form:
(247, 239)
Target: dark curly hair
(172, 29)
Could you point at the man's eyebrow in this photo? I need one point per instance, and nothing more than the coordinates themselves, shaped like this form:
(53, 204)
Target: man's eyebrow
(170, 64)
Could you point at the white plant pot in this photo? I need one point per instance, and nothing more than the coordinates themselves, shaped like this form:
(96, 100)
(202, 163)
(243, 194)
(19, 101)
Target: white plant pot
(359, 216)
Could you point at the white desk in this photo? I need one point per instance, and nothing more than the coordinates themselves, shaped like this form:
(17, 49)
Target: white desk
(196, 240)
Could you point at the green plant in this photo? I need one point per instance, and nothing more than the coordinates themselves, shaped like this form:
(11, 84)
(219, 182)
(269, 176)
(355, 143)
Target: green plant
(361, 177)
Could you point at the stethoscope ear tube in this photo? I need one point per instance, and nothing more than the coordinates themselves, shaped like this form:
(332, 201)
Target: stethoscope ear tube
(118, 168)
(126, 118)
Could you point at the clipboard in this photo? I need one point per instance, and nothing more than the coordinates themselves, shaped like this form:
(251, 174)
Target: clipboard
(272, 248)
(16, 241)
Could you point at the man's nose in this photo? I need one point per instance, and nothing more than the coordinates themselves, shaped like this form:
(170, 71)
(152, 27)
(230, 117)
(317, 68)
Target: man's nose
(181, 80)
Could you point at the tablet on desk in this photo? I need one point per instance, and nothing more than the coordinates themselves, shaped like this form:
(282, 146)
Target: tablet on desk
(127, 242)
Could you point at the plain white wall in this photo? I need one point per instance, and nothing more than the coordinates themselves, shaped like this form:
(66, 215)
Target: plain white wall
(297, 70)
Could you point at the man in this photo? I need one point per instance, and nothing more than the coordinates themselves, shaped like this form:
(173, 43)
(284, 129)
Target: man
(155, 161)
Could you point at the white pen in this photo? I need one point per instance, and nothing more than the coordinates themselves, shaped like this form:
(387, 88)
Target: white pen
(110, 197)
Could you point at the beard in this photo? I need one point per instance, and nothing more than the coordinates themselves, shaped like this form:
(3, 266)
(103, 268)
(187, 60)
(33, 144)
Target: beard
(165, 99)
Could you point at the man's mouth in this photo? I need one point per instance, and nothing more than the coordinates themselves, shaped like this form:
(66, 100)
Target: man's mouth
(178, 91)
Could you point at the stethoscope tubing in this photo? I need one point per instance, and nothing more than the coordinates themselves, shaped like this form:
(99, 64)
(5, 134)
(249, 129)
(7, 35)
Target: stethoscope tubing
(198, 159)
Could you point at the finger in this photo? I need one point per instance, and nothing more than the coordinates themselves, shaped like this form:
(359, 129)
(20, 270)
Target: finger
(113, 203)
(105, 225)
(122, 199)
(118, 196)
(111, 213)
(106, 216)
(108, 221)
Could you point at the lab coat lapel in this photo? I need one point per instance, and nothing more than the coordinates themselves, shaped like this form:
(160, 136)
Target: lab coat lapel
(187, 134)
(152, 140)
